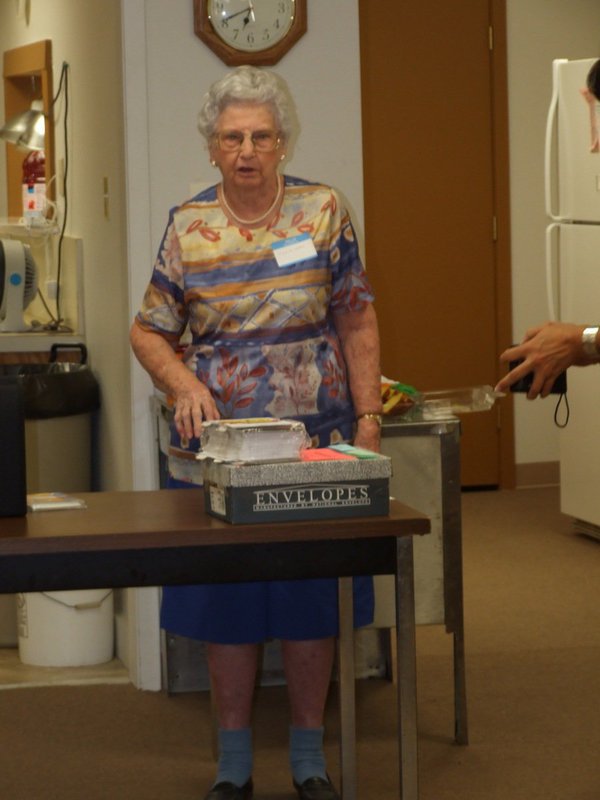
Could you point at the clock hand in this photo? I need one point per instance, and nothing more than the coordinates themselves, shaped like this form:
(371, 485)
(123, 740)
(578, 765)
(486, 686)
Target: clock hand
(237, 13)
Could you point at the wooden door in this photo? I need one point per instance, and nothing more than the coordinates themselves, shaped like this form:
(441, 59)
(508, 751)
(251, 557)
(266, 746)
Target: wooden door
(433, 113)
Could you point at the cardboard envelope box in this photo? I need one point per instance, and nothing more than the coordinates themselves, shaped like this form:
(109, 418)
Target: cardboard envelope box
(260, 492)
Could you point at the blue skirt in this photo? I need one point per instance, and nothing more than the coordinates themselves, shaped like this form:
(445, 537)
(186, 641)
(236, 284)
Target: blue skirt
(243, 613)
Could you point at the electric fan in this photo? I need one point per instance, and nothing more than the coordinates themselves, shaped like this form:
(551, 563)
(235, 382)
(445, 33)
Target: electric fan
(18, 284)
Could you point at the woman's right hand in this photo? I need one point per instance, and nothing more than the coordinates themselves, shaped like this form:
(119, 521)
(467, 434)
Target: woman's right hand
(194, 405)
(192, 399)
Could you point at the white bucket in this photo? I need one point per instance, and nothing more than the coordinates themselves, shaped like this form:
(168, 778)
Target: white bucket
(66, 629)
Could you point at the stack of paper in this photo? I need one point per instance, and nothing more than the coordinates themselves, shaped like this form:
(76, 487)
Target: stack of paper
(53, 501)
(255, 439)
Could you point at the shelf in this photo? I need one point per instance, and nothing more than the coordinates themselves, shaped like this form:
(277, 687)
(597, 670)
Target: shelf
(35, 342)
(15, 226)
(16, 675)
(38, 339)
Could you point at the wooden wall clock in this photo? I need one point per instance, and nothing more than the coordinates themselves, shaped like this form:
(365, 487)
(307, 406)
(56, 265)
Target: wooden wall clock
(255, 32)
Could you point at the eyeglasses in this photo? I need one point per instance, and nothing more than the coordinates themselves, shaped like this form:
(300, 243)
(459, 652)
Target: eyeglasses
(262, 141)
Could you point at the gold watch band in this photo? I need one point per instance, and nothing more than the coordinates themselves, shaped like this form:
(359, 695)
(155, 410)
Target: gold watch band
(374, 415)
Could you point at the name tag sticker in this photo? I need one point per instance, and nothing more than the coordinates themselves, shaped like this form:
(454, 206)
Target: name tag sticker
(294, 250)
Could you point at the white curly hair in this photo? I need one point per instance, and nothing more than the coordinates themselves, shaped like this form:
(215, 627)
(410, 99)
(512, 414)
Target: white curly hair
(248, 85)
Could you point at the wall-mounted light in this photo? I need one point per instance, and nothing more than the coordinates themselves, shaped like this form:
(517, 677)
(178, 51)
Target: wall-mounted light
(26, 130)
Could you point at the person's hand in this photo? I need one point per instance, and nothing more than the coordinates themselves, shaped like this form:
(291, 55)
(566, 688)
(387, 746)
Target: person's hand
(547, 350)
(194, 404)
(192, 400)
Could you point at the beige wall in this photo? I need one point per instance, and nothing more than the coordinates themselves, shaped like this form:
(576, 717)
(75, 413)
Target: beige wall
(538, 32)
(86, 34)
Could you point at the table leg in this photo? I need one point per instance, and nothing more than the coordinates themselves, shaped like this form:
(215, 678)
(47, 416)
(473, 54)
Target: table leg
(406, 669)
(461, 728)
(347, 690)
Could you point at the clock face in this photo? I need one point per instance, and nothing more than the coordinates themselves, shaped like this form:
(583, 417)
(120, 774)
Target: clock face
(251, 26)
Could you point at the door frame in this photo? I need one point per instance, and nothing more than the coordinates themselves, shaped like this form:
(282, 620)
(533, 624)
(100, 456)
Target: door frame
(502, 250)
(138, 632)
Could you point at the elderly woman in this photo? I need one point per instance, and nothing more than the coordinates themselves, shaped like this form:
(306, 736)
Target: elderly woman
(272, 335)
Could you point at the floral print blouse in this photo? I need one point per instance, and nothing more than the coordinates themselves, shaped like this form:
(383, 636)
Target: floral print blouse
(262, 335)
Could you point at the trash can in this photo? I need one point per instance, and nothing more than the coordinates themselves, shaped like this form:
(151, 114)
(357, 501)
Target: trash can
(65, 629)
(59, 398)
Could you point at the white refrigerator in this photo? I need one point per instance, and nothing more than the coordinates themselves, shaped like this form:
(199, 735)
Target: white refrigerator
(572, 161)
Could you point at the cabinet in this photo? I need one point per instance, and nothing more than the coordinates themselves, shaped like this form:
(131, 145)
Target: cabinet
(27, 73)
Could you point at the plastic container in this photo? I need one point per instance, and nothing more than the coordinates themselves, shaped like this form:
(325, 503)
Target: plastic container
(448, 402)
(66, 629)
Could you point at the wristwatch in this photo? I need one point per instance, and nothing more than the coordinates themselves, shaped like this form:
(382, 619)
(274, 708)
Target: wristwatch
(588, 342)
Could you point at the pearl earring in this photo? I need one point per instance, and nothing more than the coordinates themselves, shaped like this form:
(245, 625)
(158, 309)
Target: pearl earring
(213, 163)
(282, 156)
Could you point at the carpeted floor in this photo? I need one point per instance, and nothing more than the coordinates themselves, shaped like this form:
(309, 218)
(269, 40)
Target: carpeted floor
(532, 617)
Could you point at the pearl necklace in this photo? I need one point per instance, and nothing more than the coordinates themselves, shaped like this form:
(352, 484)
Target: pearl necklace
(262, 216)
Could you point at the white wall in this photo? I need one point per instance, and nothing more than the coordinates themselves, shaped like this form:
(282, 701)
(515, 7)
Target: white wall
(84, 33)
(167, 71)
(538, 32)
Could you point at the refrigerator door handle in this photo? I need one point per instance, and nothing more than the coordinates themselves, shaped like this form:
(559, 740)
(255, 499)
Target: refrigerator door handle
(549, 141)
(553, 310)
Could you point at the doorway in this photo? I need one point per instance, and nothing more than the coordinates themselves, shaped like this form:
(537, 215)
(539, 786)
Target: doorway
(435, 133)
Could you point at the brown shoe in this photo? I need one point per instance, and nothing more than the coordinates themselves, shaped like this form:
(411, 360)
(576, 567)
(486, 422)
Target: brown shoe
(316, 789)
(229, 791)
